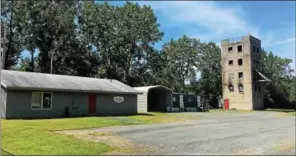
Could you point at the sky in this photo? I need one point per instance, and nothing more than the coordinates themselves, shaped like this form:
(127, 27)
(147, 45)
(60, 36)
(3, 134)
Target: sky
(273, 22)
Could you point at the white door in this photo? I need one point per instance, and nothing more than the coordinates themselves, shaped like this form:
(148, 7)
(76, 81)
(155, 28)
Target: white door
(181, 101)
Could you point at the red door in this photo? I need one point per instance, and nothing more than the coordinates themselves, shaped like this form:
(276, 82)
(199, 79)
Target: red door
(92, 104)
(226, 104)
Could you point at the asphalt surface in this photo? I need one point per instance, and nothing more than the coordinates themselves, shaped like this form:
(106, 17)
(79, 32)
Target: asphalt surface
(251, 133)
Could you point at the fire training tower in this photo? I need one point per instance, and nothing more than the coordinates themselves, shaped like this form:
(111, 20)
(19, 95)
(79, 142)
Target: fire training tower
(241, 77)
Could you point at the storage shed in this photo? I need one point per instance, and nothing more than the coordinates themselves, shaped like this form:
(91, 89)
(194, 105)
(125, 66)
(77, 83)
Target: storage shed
(38, 95)
(154, 99)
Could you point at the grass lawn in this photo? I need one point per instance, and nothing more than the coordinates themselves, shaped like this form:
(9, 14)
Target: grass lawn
(37, 137)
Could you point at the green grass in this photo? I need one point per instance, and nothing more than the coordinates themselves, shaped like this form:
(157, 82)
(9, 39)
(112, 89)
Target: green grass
(37, 137)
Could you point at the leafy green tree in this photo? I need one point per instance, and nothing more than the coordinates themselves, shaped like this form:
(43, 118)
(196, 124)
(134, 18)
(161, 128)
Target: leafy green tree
(181, 61)
(280, 91)
(12, 47)
(123, 37)
(48, 25)
(210, 84)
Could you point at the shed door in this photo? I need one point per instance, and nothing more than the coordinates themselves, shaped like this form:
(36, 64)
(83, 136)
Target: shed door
(92, 104)
(181, 101)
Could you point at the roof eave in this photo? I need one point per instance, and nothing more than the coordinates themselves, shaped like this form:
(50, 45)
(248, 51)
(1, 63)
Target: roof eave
(70, 90)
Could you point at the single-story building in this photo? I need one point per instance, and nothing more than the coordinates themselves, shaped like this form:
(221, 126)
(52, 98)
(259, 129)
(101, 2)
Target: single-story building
(39, 95)
(154, 99)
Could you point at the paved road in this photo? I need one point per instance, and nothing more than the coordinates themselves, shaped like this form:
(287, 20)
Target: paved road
(252, 133)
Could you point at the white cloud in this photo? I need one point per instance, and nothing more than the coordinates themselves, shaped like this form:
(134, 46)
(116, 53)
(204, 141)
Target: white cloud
(218, 23)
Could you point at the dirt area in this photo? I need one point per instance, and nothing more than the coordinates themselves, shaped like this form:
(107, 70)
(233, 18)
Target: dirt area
(220, 133)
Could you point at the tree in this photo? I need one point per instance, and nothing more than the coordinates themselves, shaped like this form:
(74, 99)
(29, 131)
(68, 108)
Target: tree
(48, 25)
(13, 46)
(181, 61)
(210, 82)
(280, 92)
(123, 37)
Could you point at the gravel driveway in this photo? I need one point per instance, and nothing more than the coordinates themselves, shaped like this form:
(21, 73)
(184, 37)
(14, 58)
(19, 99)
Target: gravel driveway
(221, 133)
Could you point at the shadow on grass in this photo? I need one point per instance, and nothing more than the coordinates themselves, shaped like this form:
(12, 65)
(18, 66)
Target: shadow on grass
(280, 110)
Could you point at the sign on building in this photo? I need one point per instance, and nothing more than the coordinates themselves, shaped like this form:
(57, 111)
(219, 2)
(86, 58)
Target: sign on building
(118, 99)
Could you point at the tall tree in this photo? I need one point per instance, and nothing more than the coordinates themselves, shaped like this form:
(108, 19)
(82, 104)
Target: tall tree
(12, 47)
(280, 91)
(210, 81)
(182, 61)
(123, 37)
(47, 26)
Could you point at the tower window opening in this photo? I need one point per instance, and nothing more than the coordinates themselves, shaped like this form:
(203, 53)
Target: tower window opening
(240, 62)
(231, 88)
(240, 75)
(240, 48)
(229, 49)
(254, 49)
(257, 50)
(230, 62)
(241, 88)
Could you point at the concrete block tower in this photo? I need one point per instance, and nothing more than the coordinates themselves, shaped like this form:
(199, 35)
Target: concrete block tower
(241, 65)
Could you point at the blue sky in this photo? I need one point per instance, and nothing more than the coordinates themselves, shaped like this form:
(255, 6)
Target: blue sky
(272, 22)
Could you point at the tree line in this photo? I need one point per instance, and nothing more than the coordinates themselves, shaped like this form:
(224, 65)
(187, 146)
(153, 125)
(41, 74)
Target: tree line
(85, 38)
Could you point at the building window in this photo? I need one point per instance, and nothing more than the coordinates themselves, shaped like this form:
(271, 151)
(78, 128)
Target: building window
(240, 75)
(241, 88)
(229, 49)
(36, 100)
(174, 99)
(41, 100)
(257, 50)
(240, 48)
(231, 88)
(230, 62)
(240, 62)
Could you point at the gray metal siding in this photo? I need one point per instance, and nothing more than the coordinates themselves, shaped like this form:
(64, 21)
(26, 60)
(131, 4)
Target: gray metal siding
(106, 105)
(19, 105)
(3, 103)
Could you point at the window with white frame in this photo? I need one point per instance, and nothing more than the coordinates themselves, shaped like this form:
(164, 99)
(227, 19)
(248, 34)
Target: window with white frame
(41, 100)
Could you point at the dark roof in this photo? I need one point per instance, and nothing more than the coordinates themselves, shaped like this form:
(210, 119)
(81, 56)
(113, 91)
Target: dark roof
(50, 82)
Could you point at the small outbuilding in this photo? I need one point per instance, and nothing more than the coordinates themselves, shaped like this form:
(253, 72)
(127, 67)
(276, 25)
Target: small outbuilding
(186, 102)
(154, 99)
(39, 95)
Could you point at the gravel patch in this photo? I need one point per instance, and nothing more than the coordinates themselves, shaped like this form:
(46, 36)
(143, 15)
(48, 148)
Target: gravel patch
(217, 133)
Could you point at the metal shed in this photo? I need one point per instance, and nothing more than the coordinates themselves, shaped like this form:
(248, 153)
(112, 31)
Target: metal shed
(30, 95)
(156, 98)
